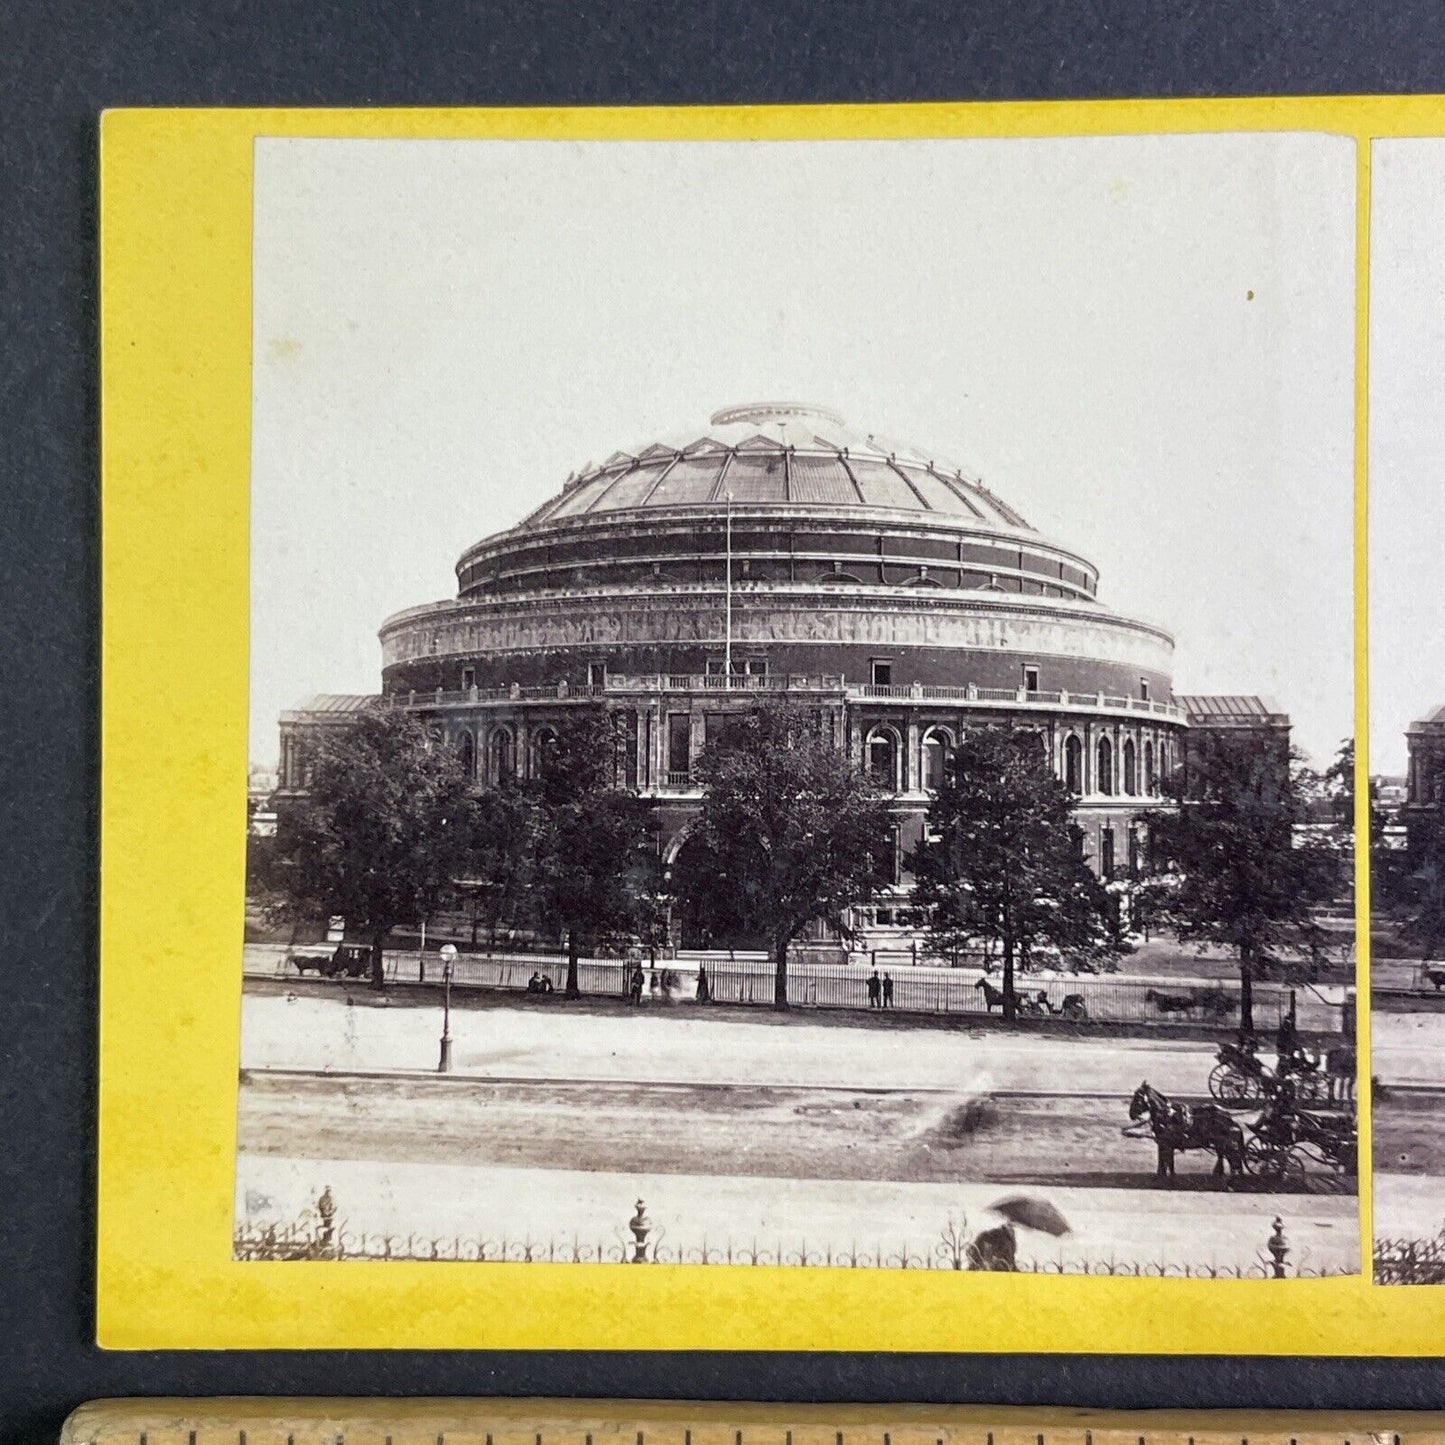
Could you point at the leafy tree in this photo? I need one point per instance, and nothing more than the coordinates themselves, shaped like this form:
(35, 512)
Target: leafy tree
(498, 857)
(1248, 871)
(268, 886)
(589, 831)
(376, 837)
(1339, 785)
(789, 831)
(1001, 863)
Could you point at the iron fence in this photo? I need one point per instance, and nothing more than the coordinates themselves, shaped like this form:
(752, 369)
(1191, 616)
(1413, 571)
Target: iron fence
(1410, 1261)
(319, 1236)
(1079, 999)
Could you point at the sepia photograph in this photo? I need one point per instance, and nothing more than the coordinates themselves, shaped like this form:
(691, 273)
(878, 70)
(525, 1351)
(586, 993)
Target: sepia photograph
(1407, 710)
(802, 706)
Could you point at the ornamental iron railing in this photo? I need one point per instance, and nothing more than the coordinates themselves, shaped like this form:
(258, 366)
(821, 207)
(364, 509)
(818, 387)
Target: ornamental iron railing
(1080, 999)
(1410, 1261)
(321, 1234)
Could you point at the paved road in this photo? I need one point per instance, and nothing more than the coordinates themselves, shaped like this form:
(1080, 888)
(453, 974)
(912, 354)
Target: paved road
(1409, 1133)
(771, 1131)
(1408, 1048)
(873, 1133)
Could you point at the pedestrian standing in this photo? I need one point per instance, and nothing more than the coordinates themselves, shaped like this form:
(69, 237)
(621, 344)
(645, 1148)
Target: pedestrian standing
(887, 990)
(702, 984)
(874, 989)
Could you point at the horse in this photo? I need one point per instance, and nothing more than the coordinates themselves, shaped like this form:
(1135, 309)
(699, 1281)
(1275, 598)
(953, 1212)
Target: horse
(1180, 1127)
(1169, 1003)
(992, 997)
(1215, 1001)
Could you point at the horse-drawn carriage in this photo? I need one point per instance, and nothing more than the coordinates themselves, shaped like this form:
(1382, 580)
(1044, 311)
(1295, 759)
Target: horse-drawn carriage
(1240, 1080)
(1286, 1146)
(1037, 1005)
(1300, 1149)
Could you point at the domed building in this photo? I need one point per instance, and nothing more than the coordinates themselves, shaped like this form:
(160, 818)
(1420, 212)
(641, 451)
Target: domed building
(779, 551)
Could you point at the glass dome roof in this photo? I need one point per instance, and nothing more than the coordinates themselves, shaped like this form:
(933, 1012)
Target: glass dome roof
(778, 453)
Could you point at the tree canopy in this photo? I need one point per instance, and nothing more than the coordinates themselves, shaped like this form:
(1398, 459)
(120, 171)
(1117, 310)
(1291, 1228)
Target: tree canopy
(1248, 869)
(377, 835)
(594, 844)
(789, 830)
(498, 857)
(1000, 862)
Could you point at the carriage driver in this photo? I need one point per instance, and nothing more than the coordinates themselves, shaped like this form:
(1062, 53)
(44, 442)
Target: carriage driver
(1292, 1058)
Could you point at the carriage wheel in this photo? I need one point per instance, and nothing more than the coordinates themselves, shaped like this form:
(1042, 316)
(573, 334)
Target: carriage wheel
(1233, 1089)
(1275, 1164)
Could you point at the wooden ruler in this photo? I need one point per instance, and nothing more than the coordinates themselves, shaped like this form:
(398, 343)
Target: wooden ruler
(584, 1422)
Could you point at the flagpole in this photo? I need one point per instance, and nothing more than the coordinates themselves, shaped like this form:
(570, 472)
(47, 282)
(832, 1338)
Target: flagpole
(728, 603)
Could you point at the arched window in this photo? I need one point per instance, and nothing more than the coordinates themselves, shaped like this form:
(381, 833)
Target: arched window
(883, 753)
(1104, 774)
(1131, 769)
(502, 759)
(544, 742)
(1073, 764)
(1035, 739)
(937, 745)
(467, 754)
(1149, 782)
(1106, 852)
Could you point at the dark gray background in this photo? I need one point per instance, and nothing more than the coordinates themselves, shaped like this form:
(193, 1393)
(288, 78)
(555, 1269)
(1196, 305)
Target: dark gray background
(60, 64)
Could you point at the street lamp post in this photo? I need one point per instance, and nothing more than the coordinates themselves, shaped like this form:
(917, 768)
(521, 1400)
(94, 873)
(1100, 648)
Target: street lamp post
(449, 957)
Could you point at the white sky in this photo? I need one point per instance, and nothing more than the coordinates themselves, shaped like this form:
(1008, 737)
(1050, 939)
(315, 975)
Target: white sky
(1144, 344)
(1407, 441)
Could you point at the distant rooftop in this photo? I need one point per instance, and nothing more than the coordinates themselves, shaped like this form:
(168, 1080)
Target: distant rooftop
(1236, 708)
(1430, 722)
(339, 703)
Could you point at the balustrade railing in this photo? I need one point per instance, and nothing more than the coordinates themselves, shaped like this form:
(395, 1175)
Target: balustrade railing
(620, 685)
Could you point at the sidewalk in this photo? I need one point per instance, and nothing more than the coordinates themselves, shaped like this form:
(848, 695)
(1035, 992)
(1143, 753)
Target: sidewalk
(445, 1202)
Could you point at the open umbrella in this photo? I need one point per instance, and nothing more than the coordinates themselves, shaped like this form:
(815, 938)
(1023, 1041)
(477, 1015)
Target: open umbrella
(1031, 1212)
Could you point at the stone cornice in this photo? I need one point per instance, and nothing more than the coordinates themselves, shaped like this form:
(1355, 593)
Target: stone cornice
(855, 598)
(788, 516)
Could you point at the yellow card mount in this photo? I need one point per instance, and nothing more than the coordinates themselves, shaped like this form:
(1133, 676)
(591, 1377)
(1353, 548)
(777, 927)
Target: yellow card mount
(249, 1421)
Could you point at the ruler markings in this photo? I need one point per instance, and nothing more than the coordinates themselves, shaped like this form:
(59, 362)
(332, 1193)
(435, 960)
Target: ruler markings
(463, 1422)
